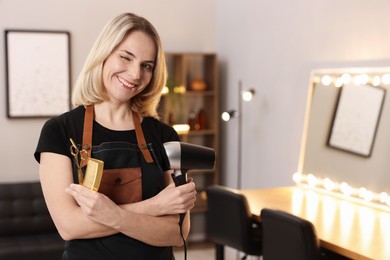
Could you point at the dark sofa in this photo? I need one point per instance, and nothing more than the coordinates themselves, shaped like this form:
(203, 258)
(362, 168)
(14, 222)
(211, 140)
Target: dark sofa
(26, 228)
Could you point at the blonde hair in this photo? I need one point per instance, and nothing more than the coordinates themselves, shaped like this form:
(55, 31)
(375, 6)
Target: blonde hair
(89, 87)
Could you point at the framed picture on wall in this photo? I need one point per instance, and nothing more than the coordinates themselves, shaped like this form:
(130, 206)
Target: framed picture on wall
(37, 73)
(356, 119)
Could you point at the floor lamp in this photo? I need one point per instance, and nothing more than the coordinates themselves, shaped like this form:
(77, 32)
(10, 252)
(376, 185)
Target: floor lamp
(243, 95)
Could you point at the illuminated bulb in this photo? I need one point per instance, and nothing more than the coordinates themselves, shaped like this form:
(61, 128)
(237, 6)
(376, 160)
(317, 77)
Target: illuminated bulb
(312, 180)
(165, 90)
(338, 83)
(368, 195)
(386, 79)
(248, 95)
(388, 201)
(225, 116)
(328, 184)
(362, 192)
(345, 78)
(364, 79)
(361, 79)
(326, 80)
(297, 177)
(346, 189)
(376, 81)
(383, 197)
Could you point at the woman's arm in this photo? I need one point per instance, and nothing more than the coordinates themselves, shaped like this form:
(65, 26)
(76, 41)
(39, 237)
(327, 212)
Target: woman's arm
(101, 209)
(170, 201)
(55, 173)
(90, 214)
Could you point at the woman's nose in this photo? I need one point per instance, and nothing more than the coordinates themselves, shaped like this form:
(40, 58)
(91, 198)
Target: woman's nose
(134, 71)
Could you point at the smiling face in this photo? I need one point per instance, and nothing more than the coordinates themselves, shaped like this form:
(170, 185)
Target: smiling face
(129, 67)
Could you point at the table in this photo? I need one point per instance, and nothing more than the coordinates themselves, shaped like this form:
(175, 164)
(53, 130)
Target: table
(346, 227)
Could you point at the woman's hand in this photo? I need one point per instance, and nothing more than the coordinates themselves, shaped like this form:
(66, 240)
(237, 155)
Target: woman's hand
(174, 200)
(97, 206)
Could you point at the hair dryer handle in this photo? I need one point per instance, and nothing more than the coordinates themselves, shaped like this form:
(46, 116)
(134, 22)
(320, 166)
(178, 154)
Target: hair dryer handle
(179, 177)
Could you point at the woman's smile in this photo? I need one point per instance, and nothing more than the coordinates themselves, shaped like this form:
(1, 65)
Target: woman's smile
(126, 84)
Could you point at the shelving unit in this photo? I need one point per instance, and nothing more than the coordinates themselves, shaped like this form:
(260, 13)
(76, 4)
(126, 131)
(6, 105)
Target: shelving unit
(176, 108)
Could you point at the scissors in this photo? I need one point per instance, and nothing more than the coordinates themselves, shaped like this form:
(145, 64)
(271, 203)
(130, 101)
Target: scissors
(76, 154)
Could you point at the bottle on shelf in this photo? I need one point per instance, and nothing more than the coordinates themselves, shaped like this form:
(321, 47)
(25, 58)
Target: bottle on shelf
(201, 122)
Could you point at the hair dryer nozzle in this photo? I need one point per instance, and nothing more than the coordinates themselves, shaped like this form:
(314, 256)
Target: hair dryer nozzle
(188, 156)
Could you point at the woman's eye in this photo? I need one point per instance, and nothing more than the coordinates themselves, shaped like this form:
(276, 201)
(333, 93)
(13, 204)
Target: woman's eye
(125, 58)
(147, 67)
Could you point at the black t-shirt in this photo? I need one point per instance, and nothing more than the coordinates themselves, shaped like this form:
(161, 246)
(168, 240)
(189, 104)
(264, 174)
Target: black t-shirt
(57, 131)
(55, 138)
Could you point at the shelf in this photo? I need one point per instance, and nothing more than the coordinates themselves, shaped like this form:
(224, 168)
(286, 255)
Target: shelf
(201, 107)
(201, 132)
(205, 93)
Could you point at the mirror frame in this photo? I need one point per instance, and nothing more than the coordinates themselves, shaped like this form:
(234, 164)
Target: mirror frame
(338, 183)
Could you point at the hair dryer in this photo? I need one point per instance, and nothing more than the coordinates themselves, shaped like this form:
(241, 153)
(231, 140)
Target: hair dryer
(184, 156)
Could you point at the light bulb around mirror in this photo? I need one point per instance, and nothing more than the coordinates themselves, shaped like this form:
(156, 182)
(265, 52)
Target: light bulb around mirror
(360, 79)
(326, 80)
(339, 83)
(328, 184)
(297, 177)
(346, 189)
(312, 180)
(386, 79)
(345, 78)
(383, 197)
(376, 81)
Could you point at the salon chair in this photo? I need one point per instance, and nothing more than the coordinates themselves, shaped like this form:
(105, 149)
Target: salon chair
(286, 236)
(230, 223)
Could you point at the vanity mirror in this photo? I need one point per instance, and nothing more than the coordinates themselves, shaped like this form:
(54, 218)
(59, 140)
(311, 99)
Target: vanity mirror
(346, 140)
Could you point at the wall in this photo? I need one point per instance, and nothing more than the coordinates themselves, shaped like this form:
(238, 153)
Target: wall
(176, 20)
(272, 46)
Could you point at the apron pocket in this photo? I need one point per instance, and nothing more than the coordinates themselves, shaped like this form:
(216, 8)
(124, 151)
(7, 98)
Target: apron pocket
(122, 185)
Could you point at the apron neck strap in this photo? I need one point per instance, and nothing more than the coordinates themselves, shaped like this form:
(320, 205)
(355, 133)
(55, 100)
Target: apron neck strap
(87, 135)
(141, 139)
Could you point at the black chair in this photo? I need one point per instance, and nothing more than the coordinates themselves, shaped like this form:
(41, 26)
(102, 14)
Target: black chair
(286, 236)
(230, 223)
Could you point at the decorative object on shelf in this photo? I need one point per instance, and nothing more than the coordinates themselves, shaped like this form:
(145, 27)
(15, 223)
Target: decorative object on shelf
(247, 96)
(198, 84)
(201, 122)
(181, 129)
(192, 120)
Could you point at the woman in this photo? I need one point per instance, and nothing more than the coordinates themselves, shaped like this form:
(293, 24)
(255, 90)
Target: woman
(116, 96)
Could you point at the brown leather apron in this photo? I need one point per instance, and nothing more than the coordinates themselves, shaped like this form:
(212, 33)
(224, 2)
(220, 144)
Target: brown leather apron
(128, 168)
